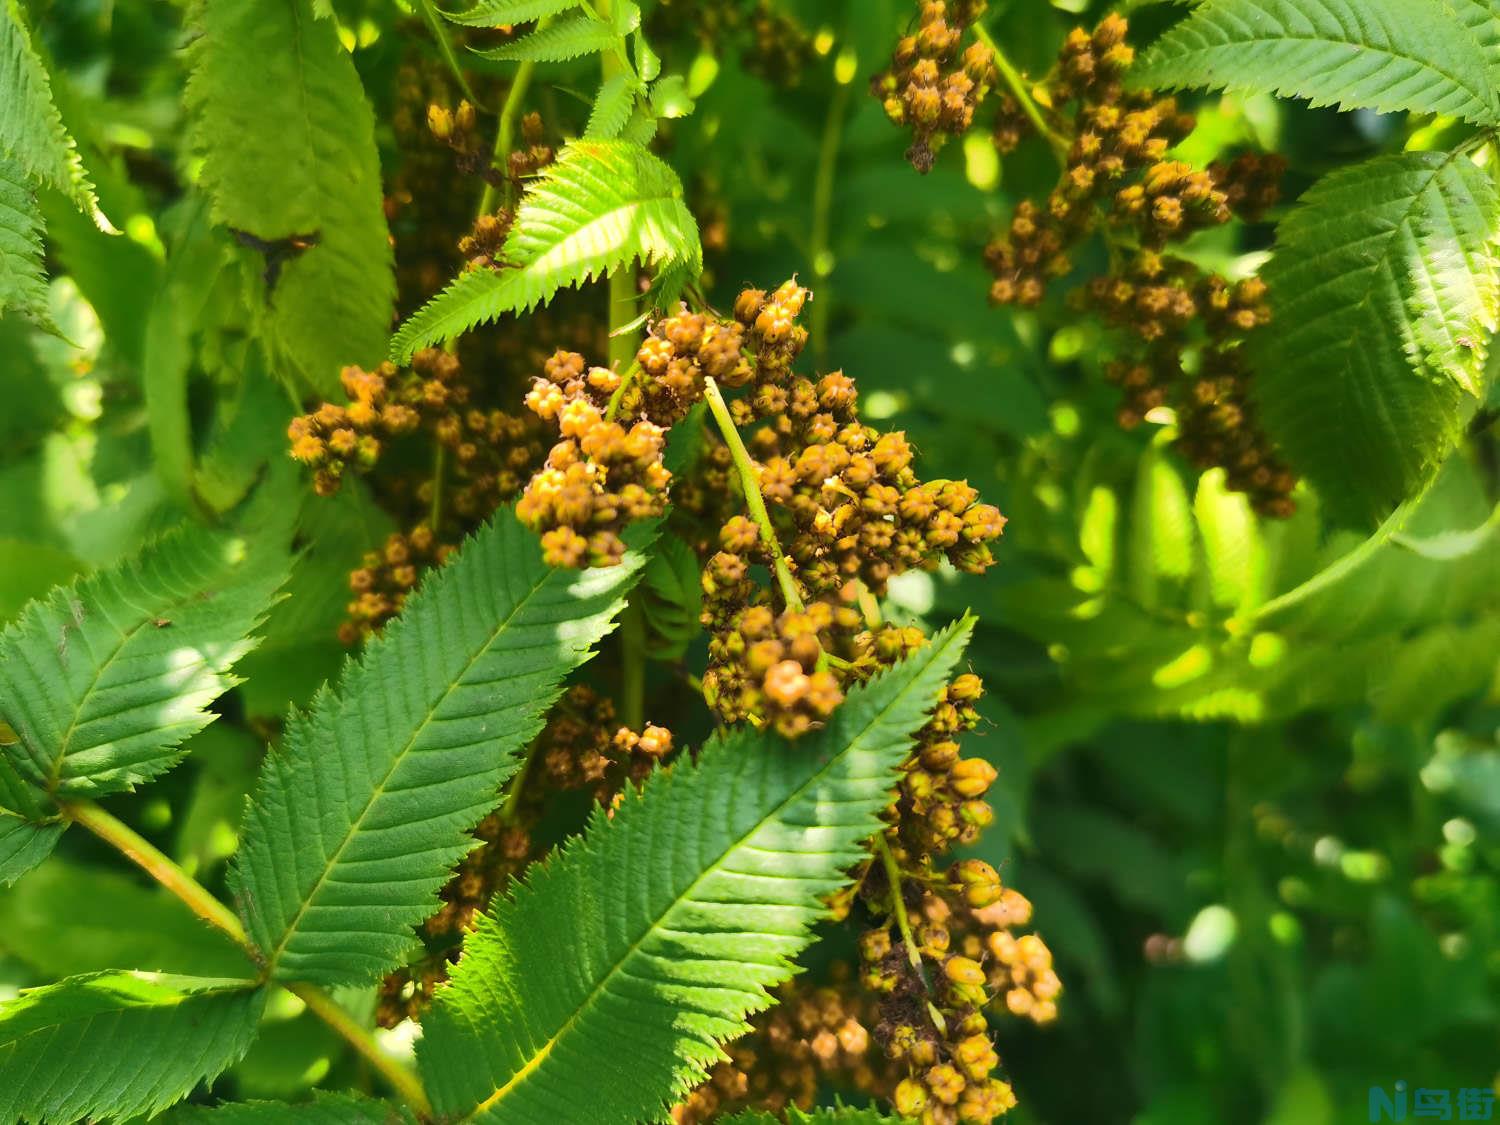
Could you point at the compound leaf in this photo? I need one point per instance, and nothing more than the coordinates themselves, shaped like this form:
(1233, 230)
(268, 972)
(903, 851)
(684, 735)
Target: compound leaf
(665, 926)
(505, 13)
(612, 108)
(324, 1109)
(103, 680)
(32, 135)
(290, 162)
(1386, 55)
(600, 207)
(570, 38)
(118, 1044)
(362, 811)
(23, 844)
(23, 285)
(1384, 293)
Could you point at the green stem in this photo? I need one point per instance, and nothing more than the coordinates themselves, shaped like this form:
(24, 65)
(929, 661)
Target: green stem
(1017, 86)
(622, 289)
(821, 252)
(750, 482)
(439, 465)
(898, 906)
(633, 667)
(155, 863)
(405, 1083)
(440, 34)
(616, 400)
(505, 135)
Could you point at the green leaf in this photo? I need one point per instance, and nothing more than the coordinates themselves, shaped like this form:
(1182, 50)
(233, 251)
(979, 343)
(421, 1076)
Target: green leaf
(612, 106)
(118, 1044)
(23, 845)
(1481, 19)
(1386, 55)
(664, 926)
(114, 921)
(670, 97)
(1383, 290)
(31, 130)
(570, 38)
(1449, 546)
(103, 681)
(324, 1109)
(600, 207)
(505, 13)
(363, 810)
(288, 142)
(301, 648)
(671, 598)
(23, 284)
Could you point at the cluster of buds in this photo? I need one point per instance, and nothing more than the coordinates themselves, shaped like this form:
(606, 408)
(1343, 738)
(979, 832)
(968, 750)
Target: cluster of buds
(942, 794)
(380, 584)
(1117, 156)
(1171, 306)
(768, 666)
(456, 129)
(505, 848)
(770, 43)
(599, 476)
(1171, 201)
(492, 450)
(845, 496)
(1168, 308)
(381, 405)
(813, 1037)
(1217, 426)
(932, 1018)
(931, 86)
(1090, 67)
(578, 751)
(1251, 183)
(678, 353)
(484, 246)
(962, 959)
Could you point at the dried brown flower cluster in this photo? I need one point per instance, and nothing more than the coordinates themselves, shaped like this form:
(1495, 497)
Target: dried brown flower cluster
(1184, 325)
(488, 454)
(1175, 317)
(834, 509)
(769, 42)
(934, 989)
(813, 1037)
(599, 476)
(933, 87)
(456, 129)
(1117, 155)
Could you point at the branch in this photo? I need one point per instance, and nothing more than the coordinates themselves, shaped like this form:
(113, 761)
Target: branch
(156, 864)
(750, 482)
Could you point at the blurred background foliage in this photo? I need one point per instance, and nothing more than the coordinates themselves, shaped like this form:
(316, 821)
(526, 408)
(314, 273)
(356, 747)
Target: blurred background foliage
(1249, 770)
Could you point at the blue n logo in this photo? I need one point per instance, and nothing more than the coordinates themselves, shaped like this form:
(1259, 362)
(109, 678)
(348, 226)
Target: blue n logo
(1388, 1107)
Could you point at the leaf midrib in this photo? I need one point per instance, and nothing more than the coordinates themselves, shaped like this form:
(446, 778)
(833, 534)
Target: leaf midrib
(356, 825)
(54, 771)
(541, 1054)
